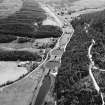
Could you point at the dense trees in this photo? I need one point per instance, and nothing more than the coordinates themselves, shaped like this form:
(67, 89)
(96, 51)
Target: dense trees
(19, 55)
(74, 85)
(25, 30)
(48, 31)
(23, 39)
(6, 39)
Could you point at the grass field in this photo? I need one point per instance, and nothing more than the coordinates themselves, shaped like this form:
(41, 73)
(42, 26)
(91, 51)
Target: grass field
(10, 72)
(84, 4)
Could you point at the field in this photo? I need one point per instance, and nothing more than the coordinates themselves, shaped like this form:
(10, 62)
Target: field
(22, 23)
(84, 4)
(10, 72)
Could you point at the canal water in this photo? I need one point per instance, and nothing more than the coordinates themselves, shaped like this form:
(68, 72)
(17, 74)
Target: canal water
(43, 90)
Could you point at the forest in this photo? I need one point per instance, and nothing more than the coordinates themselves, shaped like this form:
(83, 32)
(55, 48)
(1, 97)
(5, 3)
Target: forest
(31, 31)
(73, 75)
(7, 38)
(14, 55)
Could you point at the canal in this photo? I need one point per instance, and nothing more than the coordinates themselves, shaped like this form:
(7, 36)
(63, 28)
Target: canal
(43, 90)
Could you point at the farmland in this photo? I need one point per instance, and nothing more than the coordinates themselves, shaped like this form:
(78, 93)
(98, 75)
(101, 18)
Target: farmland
(22, 23)
(20, 33)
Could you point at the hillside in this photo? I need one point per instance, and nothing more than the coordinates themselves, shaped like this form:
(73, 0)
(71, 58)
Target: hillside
(73, 81)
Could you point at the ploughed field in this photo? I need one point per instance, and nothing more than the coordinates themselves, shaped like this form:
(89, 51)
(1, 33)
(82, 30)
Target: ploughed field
(74, 83)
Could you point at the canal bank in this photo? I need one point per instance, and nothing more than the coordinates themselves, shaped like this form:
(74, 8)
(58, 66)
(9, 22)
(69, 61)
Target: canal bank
(46, 84)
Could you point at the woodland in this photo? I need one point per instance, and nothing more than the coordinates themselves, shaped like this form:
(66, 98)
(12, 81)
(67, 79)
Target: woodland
(74, 85)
